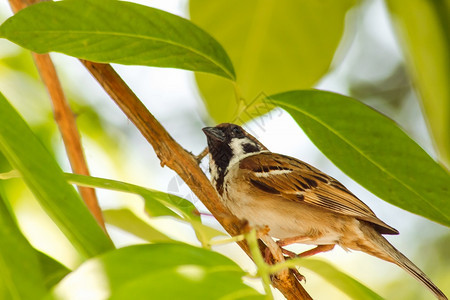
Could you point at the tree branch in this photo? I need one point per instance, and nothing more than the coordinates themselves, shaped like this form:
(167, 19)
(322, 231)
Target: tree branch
(171, 154)
(65, 119)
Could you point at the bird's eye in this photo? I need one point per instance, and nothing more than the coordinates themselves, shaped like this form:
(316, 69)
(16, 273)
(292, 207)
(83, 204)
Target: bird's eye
(236, 132)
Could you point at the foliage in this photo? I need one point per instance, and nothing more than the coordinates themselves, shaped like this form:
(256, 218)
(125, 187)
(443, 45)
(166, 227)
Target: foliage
(274, 48)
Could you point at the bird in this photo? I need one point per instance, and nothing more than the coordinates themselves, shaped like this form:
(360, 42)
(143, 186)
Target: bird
(296, 201)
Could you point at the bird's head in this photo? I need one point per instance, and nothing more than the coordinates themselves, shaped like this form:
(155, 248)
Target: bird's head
(228, 143)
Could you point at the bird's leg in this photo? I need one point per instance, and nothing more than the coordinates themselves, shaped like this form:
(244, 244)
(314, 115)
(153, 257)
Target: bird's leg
(302, 239)
(318, 249)
(290, 254)
(292, 240)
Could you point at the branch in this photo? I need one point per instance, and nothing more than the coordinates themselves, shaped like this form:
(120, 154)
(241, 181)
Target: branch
(65, 119)
(171, 154)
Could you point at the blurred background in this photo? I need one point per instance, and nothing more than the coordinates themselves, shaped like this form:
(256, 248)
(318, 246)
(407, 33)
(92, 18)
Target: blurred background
(368, 64)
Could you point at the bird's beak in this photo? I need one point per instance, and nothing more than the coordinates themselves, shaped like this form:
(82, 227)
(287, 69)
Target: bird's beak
(214, 134)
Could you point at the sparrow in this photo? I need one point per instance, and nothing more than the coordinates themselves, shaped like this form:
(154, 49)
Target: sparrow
(299, 203)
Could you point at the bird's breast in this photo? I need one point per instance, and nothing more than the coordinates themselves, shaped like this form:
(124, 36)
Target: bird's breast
(284, 217)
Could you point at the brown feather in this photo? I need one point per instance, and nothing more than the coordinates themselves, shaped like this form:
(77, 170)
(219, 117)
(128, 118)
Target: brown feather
(298, 181)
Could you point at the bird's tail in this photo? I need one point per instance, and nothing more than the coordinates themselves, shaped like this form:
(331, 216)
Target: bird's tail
(388, 252)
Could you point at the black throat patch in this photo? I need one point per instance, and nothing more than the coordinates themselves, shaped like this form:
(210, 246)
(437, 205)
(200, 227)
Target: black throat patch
(221, 155)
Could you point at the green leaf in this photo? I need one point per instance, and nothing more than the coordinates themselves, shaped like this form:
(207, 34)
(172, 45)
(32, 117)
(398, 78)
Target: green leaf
(347, 284)
(125, 219)
(52, 270)
(46, 180)
(424, 32)
(274, 45)
(156, 203)
(159, 271)
(372, 150)
(117, 32)
(20, 276)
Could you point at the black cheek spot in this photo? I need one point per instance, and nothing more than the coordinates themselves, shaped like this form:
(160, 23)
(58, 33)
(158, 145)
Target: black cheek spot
(264, 187)
(300, 197)
(249, 148)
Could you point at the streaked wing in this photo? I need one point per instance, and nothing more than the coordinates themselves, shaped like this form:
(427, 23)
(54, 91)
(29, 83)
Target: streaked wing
(298, 181)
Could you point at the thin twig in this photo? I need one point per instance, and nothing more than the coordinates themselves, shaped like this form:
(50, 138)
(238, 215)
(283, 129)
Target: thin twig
(65, 119)
(202, 155)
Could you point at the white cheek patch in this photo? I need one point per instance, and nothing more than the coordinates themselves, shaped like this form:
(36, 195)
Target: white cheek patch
(272, 173)
(237, 146)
